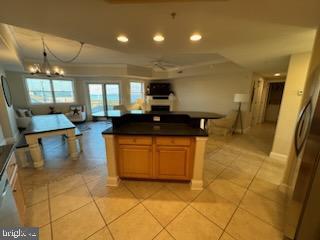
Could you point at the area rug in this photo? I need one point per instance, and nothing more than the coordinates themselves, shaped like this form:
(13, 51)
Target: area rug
(83, 127)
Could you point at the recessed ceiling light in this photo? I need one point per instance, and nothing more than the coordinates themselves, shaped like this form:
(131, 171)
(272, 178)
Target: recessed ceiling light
(277, 74)
(195, 37)
(122, 38)
(158, 38)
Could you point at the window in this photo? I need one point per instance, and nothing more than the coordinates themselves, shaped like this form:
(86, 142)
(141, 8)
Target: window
(63, 91)
(46, 91)
(136, 91)
(96, 98)
(40, 91)
(112, 95)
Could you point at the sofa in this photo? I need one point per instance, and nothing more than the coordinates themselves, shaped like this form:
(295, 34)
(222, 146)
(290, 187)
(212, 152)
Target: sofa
(23, 117)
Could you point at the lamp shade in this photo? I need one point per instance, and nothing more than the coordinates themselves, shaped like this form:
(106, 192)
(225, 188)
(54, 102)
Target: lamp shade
(241, 98)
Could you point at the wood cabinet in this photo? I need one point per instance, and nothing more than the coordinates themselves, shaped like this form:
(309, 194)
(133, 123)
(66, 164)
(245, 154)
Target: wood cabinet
(173, 162)
(155, 157)
(12, 171)
(135, 161)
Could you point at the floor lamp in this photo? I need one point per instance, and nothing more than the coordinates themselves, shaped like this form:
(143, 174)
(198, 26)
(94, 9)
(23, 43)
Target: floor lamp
(239, 98)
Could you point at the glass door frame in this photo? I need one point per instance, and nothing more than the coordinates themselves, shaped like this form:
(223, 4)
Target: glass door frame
(104, 93)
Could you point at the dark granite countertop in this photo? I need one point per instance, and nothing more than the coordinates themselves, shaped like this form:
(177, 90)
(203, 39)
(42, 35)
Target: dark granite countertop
(156, 129)
(48, 123)
(118, 113)
(5, 153)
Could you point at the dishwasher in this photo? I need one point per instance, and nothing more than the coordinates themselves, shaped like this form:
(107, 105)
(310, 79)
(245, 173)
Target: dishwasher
(9, 216)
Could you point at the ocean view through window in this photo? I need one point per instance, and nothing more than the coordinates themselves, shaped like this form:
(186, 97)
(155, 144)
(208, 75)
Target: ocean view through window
(47, 91)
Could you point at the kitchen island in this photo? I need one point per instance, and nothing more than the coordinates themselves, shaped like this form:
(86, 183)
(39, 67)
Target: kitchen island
(151, 145)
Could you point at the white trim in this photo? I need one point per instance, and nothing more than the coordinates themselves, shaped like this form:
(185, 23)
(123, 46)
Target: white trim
(113, 181)
(196, 184)
(279, 156)
(26, 89)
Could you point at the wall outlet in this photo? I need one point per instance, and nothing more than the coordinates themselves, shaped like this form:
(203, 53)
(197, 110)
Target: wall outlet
(300, 92)
(156, 118)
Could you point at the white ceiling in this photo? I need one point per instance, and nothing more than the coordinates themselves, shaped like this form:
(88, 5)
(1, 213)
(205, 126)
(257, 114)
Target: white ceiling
(258, 35)
(30, 46)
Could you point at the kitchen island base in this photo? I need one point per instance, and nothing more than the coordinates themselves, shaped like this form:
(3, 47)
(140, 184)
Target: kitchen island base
(155, 158)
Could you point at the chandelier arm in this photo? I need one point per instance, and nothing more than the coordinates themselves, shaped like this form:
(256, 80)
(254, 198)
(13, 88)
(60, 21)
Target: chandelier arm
(61, 60)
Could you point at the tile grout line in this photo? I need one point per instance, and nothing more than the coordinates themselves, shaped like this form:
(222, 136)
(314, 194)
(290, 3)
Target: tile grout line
(93, 200)
(50, 217)
(238, 205)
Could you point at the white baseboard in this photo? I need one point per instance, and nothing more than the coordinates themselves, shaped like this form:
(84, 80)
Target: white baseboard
(113, 181)
(196, 184)
(279, 156)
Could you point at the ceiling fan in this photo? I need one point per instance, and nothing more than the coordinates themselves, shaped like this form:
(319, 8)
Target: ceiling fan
(162, 65)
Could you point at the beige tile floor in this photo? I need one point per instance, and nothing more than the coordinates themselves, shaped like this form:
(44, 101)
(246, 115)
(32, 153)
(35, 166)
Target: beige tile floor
(241, 201)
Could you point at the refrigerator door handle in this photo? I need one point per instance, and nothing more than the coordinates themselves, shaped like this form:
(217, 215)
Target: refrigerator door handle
(302, 129)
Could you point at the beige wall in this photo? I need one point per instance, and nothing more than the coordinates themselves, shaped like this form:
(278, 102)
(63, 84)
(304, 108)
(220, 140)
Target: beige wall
(291, 105)
(7, 117)
(213, 92)
(311, 88)
(20, 98)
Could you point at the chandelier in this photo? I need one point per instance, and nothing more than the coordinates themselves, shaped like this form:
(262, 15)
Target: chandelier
(45, 68)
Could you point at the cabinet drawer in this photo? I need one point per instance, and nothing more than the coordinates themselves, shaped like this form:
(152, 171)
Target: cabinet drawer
(129, 140)
(12, 168)
(173, 141)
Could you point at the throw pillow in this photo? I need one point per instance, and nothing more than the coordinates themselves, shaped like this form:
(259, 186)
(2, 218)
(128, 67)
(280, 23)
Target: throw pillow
(28, 113)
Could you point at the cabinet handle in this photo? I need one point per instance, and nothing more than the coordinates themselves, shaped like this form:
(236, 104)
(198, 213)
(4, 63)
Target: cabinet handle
(14, 190)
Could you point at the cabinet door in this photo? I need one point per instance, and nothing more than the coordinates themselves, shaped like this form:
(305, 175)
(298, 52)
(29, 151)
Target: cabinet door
(135, 161)
(173, 162)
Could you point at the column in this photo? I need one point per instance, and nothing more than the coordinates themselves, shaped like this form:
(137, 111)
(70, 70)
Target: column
(112, 172)
(199, 155)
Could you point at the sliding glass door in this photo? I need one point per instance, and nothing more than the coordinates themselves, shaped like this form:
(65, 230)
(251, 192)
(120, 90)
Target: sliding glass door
(96, 98)
(104, 96)
(112, 95)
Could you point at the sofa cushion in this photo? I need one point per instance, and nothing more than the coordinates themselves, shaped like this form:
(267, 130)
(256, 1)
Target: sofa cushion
(28, 113)
(21, 112)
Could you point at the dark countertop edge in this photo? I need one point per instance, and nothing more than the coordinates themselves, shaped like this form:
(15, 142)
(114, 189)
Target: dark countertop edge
(61, 129)
(110, 131)
(9, 154)
(190, 114)
(156, 134)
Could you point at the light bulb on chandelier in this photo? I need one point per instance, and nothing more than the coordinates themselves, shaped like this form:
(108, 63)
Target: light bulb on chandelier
(45, 68)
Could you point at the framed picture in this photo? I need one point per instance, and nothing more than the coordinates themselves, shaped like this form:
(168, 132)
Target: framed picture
(6, 90)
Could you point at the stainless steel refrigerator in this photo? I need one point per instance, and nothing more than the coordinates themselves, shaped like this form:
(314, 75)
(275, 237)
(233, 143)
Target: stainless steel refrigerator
(303, 212)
